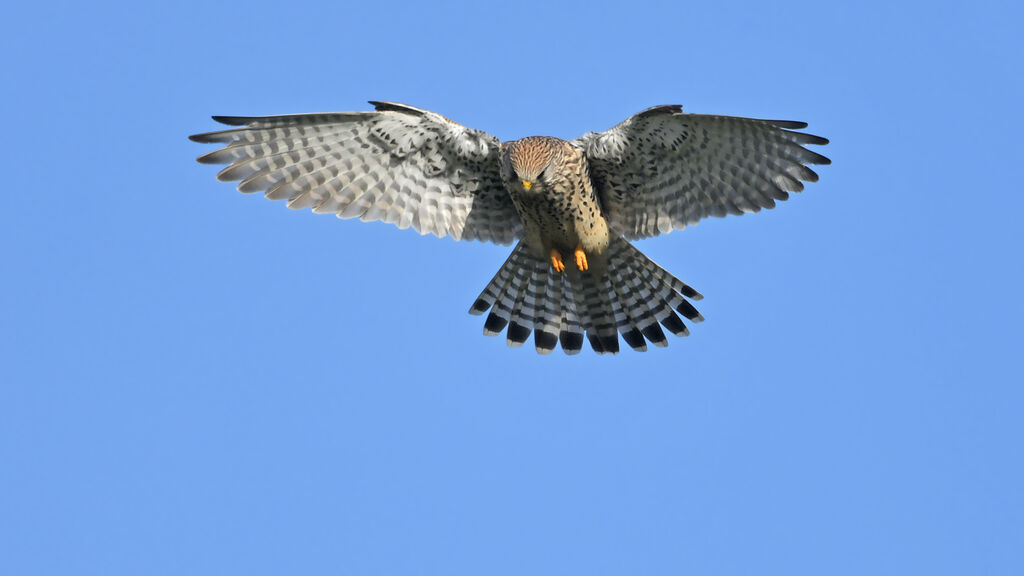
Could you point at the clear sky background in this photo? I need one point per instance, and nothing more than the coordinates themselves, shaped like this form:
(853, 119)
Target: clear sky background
(195, 381)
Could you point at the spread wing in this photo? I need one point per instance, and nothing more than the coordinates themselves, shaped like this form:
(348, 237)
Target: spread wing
(399, 164)
(662, 170)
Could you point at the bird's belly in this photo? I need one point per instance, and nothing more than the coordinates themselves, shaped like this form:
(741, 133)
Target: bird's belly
(562, 223)
(551, 220)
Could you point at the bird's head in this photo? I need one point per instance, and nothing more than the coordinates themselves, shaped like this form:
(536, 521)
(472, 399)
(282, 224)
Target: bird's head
(528, 163)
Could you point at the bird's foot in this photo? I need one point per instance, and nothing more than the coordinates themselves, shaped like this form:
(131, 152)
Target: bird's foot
(581, 258)
(556, 261)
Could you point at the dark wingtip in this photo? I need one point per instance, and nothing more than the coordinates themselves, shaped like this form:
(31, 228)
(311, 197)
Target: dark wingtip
(233, 120)
(209, 158)
(662, 109)
(788, 124)
(814, 158)
(395, 107)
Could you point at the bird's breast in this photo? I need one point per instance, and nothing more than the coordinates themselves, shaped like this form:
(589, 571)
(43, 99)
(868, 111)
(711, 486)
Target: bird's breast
(549, 215)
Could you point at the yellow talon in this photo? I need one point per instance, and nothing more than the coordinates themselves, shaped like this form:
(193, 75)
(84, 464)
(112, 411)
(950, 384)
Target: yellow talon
(581, 258)
(556, 261)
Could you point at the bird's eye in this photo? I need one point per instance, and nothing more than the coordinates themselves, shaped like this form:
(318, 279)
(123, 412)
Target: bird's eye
(540, 175)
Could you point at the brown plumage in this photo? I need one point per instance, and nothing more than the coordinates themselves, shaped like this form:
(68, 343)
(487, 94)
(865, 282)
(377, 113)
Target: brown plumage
(572, 204)
(560, 210)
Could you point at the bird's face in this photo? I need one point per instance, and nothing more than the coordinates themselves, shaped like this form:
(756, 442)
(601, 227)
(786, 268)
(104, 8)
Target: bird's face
(531, 180)
(529, 164)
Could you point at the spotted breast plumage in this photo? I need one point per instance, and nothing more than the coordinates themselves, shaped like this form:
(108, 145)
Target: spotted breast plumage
(572, 205)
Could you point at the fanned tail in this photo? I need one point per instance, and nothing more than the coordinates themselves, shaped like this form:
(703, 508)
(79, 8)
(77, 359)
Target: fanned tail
(624, 292)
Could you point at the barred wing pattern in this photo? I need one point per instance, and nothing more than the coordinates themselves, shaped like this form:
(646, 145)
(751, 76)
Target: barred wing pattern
(399, 164)
(662, 170)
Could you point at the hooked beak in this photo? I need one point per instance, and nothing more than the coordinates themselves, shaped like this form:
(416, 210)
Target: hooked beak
(527, 184)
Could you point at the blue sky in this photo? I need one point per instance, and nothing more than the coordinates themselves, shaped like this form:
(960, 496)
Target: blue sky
(200, 382)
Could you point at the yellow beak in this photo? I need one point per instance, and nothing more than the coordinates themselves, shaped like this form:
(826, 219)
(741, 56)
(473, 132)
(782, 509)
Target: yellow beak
(527, 184)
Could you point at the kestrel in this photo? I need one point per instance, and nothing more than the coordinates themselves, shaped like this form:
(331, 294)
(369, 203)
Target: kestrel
(573, 206)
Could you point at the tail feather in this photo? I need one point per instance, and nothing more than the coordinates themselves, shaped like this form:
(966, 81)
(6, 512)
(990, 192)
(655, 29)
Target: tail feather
(668, 292)
(602, 329)
(495, 296)
(521, 320)
(548, 311)
(642, 301)
(583, 305)
(570, 333)
(624, 293)
(618, 308)
(633, 311)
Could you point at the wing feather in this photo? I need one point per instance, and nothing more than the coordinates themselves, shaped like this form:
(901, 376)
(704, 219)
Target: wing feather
(662, 170)
(399, 164)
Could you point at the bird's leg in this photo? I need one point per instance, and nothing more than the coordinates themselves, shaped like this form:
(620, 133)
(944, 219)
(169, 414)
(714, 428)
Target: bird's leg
(556, 261)
(581, 258)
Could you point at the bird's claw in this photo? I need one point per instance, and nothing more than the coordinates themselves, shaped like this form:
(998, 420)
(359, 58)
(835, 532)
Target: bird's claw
(581, 258)
(556, 261)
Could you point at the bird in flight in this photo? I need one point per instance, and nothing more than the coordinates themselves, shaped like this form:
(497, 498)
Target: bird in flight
(571, 206)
